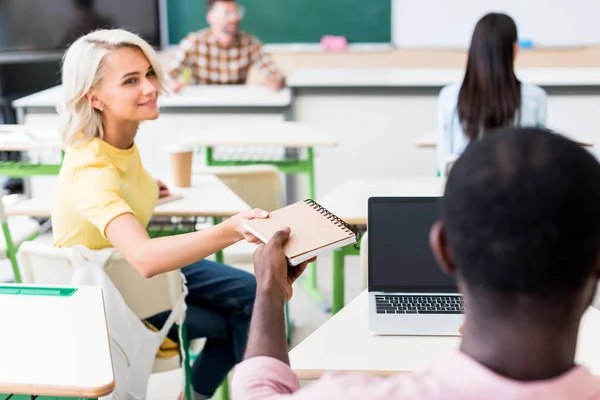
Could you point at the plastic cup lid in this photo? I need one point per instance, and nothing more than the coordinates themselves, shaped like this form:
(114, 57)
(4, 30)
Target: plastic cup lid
(180, 148)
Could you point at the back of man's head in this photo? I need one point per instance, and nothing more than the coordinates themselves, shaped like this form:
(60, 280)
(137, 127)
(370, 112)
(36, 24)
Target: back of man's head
(522, 217)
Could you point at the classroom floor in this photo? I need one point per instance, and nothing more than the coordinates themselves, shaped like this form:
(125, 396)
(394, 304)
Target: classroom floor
(306, 316)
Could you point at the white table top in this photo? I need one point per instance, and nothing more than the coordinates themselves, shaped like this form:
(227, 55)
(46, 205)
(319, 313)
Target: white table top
(430, 141)
(431, 77)
(344, 343)
(290, 134)
(207, 197)
(55, 345)
(191, 96)
(349, 201)
(26, 138)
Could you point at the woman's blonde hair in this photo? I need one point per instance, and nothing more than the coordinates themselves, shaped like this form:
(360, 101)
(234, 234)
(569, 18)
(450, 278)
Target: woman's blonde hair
(83, 69)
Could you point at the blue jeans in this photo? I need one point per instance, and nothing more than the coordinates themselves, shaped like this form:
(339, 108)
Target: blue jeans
(219, 302)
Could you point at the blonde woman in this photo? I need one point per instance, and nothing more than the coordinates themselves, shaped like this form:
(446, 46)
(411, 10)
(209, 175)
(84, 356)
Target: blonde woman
(105, 197)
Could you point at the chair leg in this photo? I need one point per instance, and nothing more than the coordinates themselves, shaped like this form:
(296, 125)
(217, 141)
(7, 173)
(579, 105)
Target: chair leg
(11, 253)
(186, 361)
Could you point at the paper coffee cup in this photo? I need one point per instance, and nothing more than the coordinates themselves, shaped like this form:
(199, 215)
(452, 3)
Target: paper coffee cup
(181, 164)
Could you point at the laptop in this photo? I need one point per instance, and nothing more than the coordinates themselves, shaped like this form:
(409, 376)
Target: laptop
(408, 292)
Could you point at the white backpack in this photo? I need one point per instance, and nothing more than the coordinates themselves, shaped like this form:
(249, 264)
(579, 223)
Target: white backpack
(133, 346)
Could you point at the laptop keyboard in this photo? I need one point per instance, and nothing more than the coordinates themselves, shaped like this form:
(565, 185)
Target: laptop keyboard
(413, 304)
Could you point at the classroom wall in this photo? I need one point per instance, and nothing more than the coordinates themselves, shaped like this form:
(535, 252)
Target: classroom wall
(294, 21)
(450, 23)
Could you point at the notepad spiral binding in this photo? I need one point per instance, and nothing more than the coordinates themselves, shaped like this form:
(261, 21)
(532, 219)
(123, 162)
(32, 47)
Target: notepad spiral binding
(330, 216)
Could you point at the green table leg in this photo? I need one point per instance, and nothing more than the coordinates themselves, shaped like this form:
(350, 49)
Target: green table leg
(312, 272)
(288, 325)
(339, 262)
(310, 283)
(208, 156)
(222, 392)
(188, 362)
(338, 280)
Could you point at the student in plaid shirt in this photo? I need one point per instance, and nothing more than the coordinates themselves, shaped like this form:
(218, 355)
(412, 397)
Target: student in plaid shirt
(222, 54)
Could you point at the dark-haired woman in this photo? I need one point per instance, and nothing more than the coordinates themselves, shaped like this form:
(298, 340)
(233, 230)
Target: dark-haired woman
(490, 95)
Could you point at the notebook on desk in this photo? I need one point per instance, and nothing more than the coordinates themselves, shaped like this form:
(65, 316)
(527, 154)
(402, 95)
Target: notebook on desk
(313, 230)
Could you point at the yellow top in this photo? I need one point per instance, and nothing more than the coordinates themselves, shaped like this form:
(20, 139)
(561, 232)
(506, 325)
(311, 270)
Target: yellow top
(96, 184)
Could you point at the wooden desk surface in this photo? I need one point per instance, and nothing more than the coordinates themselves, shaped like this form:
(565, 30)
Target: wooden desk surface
(432, 77)
(344, 343)
(287, 134)
(430, 141)
(349, 201)
(55, 345)
(207, 197)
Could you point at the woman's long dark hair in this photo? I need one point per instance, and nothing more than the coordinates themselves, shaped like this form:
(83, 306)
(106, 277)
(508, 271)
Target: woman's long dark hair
(490, 95)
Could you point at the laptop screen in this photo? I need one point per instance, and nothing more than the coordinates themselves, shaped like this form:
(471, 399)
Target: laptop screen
(400, 258)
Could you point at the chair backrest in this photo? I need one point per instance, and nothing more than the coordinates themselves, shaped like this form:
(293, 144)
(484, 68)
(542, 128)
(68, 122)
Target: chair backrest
(260, 186)
(47, 265)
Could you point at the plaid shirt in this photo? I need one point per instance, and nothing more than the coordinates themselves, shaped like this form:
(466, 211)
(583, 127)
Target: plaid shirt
(211, 64)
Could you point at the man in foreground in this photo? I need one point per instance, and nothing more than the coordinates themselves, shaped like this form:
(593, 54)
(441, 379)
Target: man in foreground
(520, 231)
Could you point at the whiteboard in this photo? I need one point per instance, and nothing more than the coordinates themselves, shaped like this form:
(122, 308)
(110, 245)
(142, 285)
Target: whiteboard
(450, 23)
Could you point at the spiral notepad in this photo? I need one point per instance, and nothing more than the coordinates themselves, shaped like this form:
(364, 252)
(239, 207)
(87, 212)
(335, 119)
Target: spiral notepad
(314, 230)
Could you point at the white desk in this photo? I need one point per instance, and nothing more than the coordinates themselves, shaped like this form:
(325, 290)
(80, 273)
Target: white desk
(349, 201)
(284, 134)
(227, 96)
(430, 141)
(189, 112)
(26, 138)
(207, 197)
(377, 114)
(254, 137)
(344, 343)
(55, 345)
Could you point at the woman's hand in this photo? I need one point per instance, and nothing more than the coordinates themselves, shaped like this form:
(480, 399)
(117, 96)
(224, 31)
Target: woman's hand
(238, 221)
(163, 190)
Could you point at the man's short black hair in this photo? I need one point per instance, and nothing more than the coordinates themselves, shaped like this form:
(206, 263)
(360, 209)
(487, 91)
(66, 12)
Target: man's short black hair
(210, 3)
(522, 215)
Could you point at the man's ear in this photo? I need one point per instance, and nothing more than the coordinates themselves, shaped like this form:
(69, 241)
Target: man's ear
(94, 101)
(439, 246)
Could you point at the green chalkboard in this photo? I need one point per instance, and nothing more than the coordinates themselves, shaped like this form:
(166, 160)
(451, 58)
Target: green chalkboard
(294, 21)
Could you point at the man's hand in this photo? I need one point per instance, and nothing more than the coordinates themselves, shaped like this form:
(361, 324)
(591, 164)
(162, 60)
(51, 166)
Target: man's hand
(274, 288)
(163, 190)
(273, 277)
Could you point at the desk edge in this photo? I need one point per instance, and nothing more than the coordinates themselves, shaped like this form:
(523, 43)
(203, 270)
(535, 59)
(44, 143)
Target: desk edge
(59, 391)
